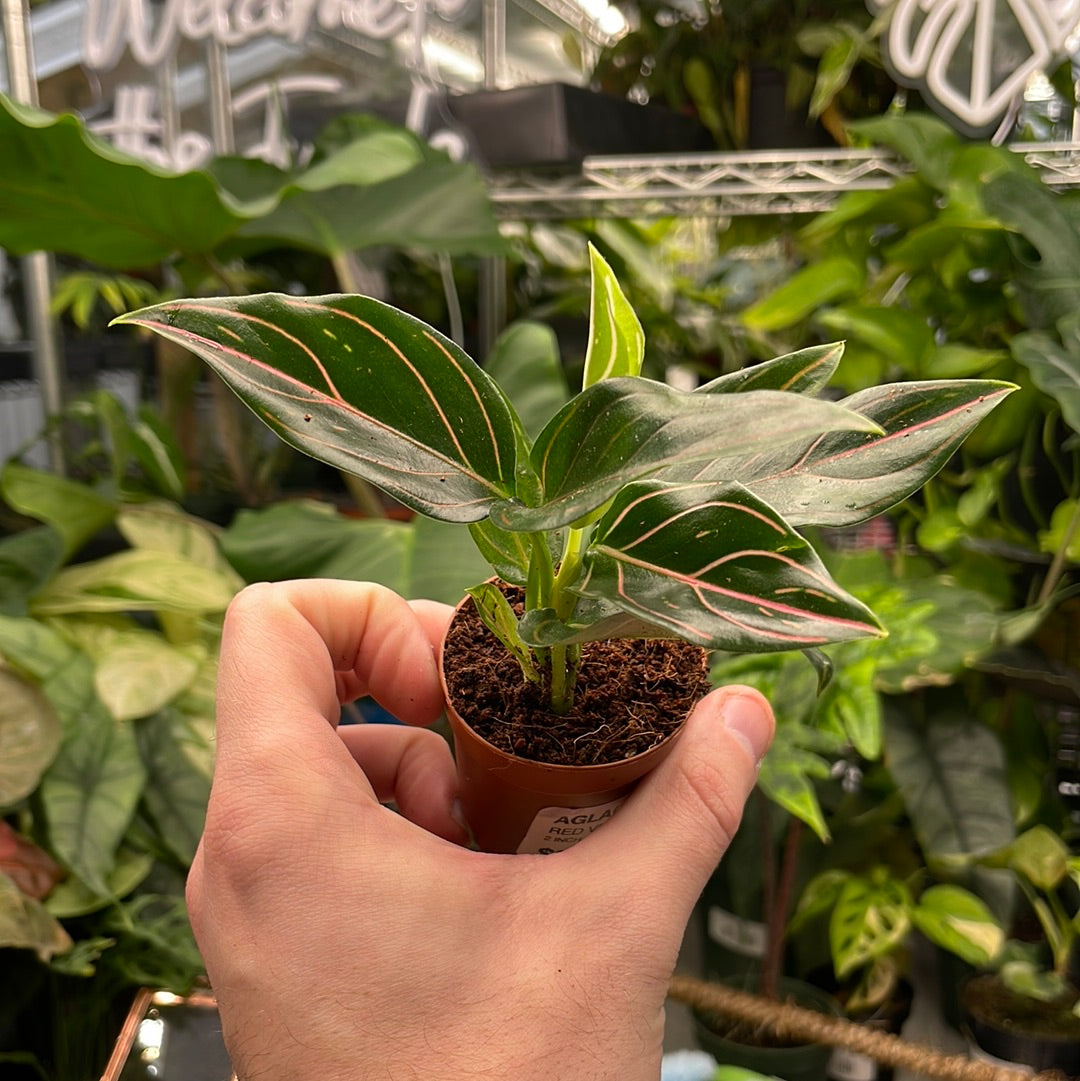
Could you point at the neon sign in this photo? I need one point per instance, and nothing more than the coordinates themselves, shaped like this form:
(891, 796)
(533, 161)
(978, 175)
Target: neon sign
(972, 59)
(152, 36)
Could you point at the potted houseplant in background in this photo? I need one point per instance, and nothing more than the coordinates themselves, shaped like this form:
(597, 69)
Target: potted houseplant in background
(761, 74)
(106, 737)
(620, 522)
(1026, 1009)
(968, 267)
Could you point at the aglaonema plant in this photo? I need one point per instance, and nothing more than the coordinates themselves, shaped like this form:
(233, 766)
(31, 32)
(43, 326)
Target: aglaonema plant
(639, 510)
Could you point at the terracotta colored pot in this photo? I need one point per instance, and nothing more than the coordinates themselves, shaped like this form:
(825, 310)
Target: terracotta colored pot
(519, 805)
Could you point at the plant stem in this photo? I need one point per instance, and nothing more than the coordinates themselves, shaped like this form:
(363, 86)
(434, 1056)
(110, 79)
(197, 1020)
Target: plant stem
(777, 917)
(563, 599)
(1057, 566)
(564, 659)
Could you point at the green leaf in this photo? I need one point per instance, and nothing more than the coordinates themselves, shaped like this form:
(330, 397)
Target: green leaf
(525, 363)
(72, 897)
(616, 341)
(787, 777)
(1049, 285)
(499, 618)
(380, 188)
(140, 673)
(834, 71)
(65, 190)
(1054, 365)
(90, 791)
(30, 736)
(163, 527)
(832, 278)
(904, 337)
(443, 561)
(818, 897)
(871, 918)
(806, 371)
(928, 143)
(75, 511)
(621, 430)
(27, 560)
(853, 702)
(34, 648)
(360, 386)
(953, 779)
(712, 564)
(137, 580)
(843, 478)
(507, 553)
(306, 539)
(1039, 855)
(25, 925)
(176, 792)
(958, 921)
(1028, 979)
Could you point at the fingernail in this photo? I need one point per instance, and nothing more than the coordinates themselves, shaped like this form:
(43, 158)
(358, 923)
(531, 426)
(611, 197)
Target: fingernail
(748, 718)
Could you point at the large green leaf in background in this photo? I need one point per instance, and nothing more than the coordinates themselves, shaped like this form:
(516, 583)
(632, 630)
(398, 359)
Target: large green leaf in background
(306, 539)
(435, 206)
(76, 511)
(65, 190)
(27, 560)
(953, 779)
(177, 791)
(368, 183)
(525, 363)
(30, 736)
(1054, 364)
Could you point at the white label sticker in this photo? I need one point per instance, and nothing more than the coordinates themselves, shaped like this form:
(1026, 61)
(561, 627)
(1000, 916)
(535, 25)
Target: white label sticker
(845, 1065)
(744, 937)
(557, 828)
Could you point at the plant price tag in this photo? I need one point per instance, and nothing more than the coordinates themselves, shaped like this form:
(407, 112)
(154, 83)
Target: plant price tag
(557, 828)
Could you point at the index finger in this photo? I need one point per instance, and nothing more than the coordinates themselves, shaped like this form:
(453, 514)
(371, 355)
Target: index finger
(289, 649)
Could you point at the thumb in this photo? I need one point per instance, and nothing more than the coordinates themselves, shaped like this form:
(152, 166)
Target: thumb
(679, 821)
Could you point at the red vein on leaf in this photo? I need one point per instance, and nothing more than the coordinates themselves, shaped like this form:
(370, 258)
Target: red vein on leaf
(698, 587)
(393, 346)
(249, 318)
(695, 633)
(903, 433)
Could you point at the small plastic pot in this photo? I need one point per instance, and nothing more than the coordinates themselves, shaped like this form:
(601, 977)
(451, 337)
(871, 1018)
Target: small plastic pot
(517, 805)
(1013, 1037)
(801, 1062)
(523, 806)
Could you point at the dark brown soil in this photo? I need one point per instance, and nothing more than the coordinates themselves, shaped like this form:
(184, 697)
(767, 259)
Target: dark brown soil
(988, 1000)
(631, 694)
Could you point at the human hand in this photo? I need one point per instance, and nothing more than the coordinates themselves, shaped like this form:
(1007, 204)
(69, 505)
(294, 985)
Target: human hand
(347, 942)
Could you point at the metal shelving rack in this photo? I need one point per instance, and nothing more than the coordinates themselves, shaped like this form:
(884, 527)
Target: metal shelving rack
(726, 184)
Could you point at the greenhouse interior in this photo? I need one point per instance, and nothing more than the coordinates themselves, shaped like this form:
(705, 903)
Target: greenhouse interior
(367, 542)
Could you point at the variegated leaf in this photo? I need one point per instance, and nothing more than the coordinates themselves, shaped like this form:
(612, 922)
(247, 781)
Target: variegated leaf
(616, 340)
(363, 387)
(713, 564)
(621, 430)
(870, 918)
(807, 371)
(841, 478)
